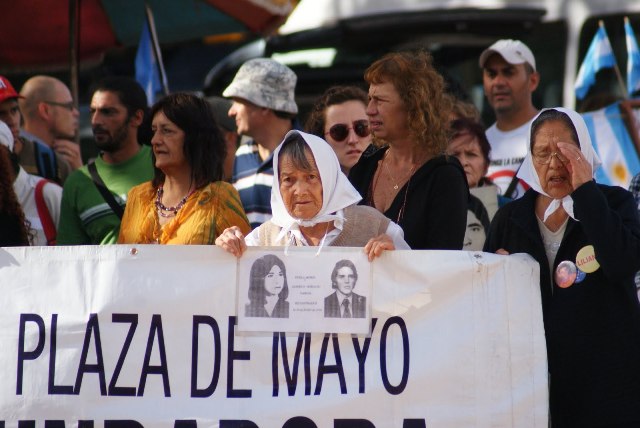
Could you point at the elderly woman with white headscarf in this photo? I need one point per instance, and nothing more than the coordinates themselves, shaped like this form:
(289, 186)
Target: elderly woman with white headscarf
(314, 204)
(586, 238)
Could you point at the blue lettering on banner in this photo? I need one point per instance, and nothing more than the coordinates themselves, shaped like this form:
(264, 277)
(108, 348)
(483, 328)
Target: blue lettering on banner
(294, 422)
(295, 365)
(147, 368)
(24, 355)
(93, 329)
(231, 357)
(332, 368)
(361, 355)
(394, 390)
(199, 320)
(291, 375)
(123, 391)
(54, 389)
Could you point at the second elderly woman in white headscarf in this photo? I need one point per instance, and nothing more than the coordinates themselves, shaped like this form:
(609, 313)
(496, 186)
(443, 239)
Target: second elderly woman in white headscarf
(586, 238)
(314, 204)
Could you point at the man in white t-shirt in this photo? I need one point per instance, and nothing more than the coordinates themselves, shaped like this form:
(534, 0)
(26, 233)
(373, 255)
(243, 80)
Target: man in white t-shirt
(509, 78)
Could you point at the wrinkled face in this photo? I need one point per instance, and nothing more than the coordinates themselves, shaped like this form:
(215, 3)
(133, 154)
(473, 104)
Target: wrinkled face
(109, 121)
(10, 115)
(475, 235)
(167, 143)
(247, 115)
(64, 116)
(274, 281)
(466, 148)
(507, 87)
(345, 280)
(387, 113)
(554, 176)
(352, 116)
(301, 190)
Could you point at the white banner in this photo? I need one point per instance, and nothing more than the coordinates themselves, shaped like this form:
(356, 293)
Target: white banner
(146, 336)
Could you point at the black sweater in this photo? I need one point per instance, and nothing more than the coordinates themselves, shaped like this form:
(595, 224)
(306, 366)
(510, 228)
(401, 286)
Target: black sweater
(435, 210)
(592, 327)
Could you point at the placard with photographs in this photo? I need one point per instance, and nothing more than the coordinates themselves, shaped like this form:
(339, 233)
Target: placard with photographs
(304, 290)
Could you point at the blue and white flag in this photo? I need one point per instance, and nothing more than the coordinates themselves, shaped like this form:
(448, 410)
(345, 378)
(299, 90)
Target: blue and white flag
(599, 56)
(633, 60)
(614, 146)
(147, 73)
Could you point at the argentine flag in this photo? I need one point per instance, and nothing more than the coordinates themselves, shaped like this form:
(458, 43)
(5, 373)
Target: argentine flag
(147, 73)
(614, 146)
(599, 55)
(633, 60)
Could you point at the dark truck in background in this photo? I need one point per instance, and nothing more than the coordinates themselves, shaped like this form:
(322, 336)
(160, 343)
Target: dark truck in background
(557, 31)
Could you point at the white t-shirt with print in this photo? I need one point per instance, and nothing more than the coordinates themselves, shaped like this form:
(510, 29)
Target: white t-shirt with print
(508, 150)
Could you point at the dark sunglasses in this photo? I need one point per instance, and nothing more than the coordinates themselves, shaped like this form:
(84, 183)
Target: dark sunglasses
(340, 131)
(68, 105)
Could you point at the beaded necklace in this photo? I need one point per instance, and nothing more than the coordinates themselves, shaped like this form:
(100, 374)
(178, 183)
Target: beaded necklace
(165, 211)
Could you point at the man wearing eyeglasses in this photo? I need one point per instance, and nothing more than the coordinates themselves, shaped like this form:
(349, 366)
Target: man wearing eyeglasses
(264, 109)
(51, 117)
(35, 157)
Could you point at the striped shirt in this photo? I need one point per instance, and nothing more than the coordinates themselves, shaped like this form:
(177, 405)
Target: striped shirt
(253, 178)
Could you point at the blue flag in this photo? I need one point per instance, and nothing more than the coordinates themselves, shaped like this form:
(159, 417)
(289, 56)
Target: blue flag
(599, 56)
(633, 60)
(612, 142)
(147, 66)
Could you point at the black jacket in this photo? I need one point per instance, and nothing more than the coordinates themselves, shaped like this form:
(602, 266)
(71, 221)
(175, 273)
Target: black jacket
(592, 327)
(431, 208)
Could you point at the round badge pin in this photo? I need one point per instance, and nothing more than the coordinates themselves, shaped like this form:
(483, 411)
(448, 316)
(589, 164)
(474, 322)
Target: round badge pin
(566, 273)
(586, 259)
(580, 276)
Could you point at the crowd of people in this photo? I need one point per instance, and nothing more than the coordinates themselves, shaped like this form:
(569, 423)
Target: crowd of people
(404, 166)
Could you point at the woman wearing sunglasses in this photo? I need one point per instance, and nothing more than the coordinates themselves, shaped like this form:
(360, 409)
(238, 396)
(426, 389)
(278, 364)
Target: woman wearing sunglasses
(408, 178)
(340, 117)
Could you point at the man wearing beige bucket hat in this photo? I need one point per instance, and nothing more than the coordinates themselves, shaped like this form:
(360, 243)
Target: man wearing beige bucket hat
(263, 108)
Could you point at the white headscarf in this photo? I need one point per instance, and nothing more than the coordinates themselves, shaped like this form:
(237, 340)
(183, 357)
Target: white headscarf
(528, 172)
(6, 137)
(337, 192)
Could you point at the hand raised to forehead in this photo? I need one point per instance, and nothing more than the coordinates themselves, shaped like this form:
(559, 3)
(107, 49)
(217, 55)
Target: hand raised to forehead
(579, 167)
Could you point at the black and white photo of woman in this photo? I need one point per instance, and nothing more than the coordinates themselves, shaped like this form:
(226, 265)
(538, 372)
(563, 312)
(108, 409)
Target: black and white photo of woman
(268, 289)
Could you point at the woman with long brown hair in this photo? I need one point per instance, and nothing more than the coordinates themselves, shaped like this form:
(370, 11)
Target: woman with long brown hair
(14, 229)
(186, 203)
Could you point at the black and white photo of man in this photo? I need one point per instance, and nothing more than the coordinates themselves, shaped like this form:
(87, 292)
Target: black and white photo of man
(343, 302)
